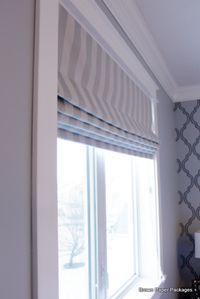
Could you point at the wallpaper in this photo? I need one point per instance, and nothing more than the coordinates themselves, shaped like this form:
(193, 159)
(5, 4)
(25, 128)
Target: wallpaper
(188, 170)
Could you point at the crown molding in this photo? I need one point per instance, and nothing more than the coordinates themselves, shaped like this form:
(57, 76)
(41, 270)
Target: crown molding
(128, 15)
(95, 21)
(187, 93)
(131, 20)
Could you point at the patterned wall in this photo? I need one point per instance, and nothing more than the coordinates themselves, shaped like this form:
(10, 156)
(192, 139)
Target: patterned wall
(188, 169)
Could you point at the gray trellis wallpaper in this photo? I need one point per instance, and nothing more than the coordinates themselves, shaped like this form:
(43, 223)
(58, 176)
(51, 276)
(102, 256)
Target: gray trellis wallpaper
(188, 169)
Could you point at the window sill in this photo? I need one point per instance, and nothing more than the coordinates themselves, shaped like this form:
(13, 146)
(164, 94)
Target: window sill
(146, 289)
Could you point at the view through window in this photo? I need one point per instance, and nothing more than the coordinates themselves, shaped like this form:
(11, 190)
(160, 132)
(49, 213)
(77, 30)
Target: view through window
(91, 259)
(119, 220)
(72, 220)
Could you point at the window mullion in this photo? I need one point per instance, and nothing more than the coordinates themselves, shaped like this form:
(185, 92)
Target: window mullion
(92, 227)
(101, 224)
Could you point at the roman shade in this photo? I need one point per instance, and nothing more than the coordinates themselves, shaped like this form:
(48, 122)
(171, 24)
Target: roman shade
(98, 103)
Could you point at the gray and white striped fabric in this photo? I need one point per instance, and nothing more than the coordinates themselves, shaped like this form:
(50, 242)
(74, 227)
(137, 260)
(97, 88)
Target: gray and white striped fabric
(98, 103)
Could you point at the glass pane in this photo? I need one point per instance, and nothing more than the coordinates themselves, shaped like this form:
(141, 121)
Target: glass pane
(147, 217)
(72, 220)
(119, 217)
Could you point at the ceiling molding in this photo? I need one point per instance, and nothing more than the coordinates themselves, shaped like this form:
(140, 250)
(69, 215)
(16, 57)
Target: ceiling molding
(131, 20)
(95, 21)
(187, 93)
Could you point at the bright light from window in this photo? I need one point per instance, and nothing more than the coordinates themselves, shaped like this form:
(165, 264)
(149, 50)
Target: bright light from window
(107, 222)
(147, 217)
(72, 220)
(119, 220)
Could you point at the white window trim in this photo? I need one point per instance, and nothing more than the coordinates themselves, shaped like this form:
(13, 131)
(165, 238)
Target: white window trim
(44, 221)
(131, 286)
(142, 281)
(100, 196)
(97, 227)
(44, 143)
(159, 216)
(101, 224)
(93, 229)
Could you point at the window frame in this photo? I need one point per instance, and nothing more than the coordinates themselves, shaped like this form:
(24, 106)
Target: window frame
(97, 234)
(44, 244)
(128, 284)
(44, 260)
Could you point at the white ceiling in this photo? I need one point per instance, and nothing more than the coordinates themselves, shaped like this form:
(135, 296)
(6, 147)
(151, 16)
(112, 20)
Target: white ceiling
(175, 26)
(167, 35)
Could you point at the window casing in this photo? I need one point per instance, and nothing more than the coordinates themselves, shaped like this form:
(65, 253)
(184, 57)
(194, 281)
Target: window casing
(102, 106)
(44, 224)
(115, 217)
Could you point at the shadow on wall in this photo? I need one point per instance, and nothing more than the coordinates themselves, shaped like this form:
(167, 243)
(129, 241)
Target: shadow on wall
(189, 266)
(188, 169)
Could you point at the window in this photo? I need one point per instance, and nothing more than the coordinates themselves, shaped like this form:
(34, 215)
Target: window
(72, 220)
(108, 226)
(121, 235)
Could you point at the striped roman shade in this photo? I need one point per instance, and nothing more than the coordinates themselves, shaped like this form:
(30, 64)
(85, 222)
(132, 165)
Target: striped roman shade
(98, 103)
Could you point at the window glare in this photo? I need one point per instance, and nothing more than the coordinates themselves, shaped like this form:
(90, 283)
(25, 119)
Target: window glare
(119, 219)
(120, 190)
(148, 234)
(72, 220)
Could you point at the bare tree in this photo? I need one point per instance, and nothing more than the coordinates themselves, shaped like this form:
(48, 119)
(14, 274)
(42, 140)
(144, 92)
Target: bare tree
(73, 220)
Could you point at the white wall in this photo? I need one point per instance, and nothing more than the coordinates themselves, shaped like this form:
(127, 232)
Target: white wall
(16, 58)
(169, 197)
